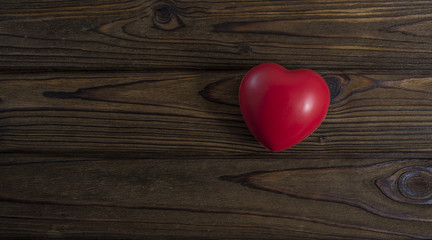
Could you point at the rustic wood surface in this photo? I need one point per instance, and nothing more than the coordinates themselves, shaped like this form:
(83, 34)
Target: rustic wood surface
(342, 35)
(120, 120)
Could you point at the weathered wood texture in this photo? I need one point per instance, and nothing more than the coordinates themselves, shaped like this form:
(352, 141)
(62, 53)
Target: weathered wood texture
(338, 35)
(120, 120)
(164, 165)
(195, 198)
(183, 113)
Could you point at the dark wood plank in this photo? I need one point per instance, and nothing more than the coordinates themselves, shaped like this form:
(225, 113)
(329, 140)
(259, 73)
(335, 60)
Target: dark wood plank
(348, 35)
(213, 198)
(184, 113)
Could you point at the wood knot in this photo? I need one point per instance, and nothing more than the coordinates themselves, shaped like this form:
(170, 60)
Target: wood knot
(336, 84)
(409, 185)
(224, 91)
(244, 49)
(165, 17)
(323, 140)
(416, 184)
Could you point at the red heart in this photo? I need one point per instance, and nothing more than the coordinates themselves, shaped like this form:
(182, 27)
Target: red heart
(281, 108)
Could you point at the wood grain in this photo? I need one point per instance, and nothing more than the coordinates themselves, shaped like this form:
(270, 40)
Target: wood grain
(357, 188)
(351, 36)
(193, 112)
(408, 185)
(194, 198)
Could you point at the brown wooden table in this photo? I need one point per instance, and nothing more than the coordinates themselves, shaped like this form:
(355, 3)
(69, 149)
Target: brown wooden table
(120, 120)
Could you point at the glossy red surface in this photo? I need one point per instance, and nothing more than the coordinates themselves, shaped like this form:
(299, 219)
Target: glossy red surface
(280, 107)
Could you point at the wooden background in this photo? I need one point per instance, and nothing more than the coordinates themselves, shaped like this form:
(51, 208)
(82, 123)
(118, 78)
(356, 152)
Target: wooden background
(120, 120)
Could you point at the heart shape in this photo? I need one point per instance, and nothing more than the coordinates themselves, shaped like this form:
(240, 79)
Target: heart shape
(280, 107)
